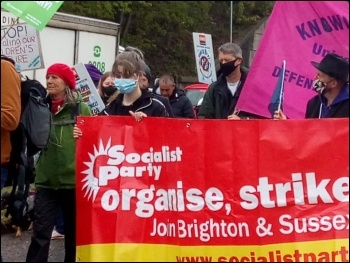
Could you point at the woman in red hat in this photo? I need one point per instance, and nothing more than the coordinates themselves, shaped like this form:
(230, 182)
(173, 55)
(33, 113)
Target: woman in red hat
(55, 171)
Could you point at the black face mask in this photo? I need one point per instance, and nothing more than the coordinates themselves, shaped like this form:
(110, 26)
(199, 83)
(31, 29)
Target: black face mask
(228, 67)
(109, 90)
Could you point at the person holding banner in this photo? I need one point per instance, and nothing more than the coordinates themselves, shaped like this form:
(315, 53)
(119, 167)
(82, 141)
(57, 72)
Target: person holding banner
(219, 101)
(132, 100)
(332, 86)
(55, 171)
(145, 80)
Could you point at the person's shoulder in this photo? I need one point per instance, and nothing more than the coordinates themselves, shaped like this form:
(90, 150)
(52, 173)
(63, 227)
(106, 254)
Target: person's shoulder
(7, 65)
(159, 97)
(315, 99)
(9, 73)
(7, 61)
(181, 93)
(159, 101)
(85, 109)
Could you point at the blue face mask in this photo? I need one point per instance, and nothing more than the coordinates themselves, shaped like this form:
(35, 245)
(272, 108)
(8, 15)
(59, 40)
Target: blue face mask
(125, 86)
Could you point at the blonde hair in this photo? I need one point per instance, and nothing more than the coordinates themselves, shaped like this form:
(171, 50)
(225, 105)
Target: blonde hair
(71, 96)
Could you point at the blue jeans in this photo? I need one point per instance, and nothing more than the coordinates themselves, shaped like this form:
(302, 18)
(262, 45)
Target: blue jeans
(4, 174)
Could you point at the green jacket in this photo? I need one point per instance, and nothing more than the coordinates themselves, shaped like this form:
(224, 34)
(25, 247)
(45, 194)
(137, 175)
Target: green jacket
(56, 164)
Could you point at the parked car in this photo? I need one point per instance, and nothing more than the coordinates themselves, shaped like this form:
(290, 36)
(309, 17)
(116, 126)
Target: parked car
(195, 93)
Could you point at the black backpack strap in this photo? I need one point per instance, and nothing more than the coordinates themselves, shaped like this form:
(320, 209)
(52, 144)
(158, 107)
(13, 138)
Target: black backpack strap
(37, 95)
(20, 179)
(74, 114)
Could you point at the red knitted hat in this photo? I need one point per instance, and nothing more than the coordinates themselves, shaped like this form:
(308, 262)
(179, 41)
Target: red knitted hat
(64, 72)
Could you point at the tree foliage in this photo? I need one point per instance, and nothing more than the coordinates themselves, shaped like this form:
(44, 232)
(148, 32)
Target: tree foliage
(163, 30)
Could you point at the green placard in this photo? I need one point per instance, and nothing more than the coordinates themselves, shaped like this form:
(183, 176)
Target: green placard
(35, 13)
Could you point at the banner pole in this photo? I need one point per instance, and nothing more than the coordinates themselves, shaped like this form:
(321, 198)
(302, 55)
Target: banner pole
(231, 3)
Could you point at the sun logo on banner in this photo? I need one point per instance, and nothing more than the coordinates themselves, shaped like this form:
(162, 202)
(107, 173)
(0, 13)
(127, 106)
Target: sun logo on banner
(91, 185)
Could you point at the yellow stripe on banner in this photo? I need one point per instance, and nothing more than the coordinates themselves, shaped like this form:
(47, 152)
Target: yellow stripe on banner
(326, 250)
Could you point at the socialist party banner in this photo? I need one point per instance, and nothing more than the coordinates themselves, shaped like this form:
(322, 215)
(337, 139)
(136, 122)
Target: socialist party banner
(298, 37)
(212, 190)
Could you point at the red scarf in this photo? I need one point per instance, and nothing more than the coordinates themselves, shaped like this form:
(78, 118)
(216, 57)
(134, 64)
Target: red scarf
(57, 105)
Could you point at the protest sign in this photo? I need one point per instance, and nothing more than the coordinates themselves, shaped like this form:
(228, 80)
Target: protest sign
(87, 89)
(299, 38)
(188, 194)
(35, 13)
(205, 63)
(21, 42)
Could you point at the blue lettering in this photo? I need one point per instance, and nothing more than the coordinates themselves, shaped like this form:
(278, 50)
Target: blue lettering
(336, 22)
(276, 71)
(308, 83)
(317, 49)
(302, 32)
(325, 25)
(300, 80)
(346, 21)
(286, 74)
(293, 77)
(202, 52)
(314, 27)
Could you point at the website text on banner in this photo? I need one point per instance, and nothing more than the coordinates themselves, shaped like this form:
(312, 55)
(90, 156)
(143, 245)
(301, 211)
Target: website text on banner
(299, 38)
(167, 198)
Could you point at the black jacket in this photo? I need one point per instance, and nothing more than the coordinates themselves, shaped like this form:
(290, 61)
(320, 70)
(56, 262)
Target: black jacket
(218, 102)
(181, 105)
(338, 109)
(146, 103)
(166, 103)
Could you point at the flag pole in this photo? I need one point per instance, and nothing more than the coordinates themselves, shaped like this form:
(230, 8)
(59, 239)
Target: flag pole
(282, 84)
(231, 4)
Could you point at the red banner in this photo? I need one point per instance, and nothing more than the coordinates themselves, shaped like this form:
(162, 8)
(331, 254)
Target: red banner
(212, 190)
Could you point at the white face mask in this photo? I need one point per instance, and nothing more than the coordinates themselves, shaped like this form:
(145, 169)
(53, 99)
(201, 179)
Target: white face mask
(319, 86)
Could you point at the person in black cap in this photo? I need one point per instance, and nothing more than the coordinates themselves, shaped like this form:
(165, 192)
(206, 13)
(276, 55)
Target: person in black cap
(332, 86)
(145, 83)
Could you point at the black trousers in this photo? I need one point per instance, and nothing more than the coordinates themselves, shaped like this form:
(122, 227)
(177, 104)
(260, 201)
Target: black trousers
(46, 204)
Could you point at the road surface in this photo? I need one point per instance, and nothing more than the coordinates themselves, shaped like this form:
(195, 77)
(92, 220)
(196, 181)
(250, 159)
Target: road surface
(14, 249)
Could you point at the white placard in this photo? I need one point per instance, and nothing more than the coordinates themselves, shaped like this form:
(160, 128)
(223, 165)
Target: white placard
(21, 42)
(205, 63)
(87, 89)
